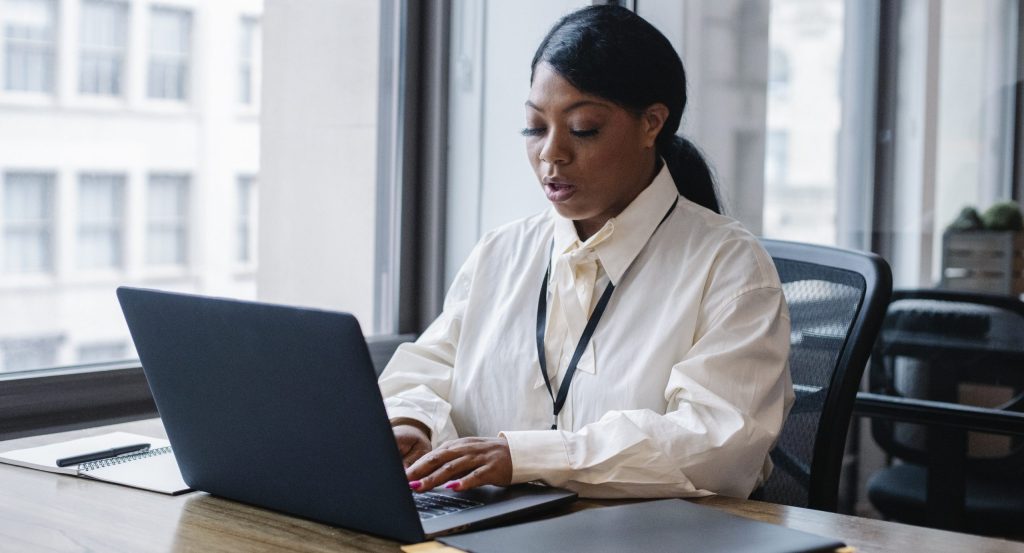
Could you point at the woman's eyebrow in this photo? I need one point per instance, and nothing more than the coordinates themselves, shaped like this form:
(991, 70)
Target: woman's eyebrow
(572, 106)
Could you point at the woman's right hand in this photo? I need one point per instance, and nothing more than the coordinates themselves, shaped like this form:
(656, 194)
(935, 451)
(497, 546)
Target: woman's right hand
(413, 441)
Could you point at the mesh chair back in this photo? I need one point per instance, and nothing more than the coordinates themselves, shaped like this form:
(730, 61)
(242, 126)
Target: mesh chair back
(952, 346)
(836, 301)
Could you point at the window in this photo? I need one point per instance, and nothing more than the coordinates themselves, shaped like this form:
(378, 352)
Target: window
(246, 60)
(100, 221)
(29, 353)
(954, 125)
(30, 45)
(246, 217)
(167, 220)
(778, 72)
(170, 42)
(28, 222)
(103, 41)
(804, 108)
(100, 352)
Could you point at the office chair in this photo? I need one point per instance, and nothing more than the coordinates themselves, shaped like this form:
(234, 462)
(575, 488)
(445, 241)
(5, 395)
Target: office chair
(936, 345)
(836, 301)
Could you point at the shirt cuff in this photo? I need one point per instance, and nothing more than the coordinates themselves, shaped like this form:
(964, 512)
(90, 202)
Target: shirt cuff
(538, 455)
(403, 412)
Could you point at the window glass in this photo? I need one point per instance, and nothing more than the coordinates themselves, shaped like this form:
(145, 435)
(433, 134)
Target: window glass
(102, 352)
(28, 222)
(167, 220)
(29, 353)
(246, 54)
(804, 101)
(169, 50)
(966, 145)
(245, 219)
(103, 38)
(100, 221)
(29, 44)
(95, 194)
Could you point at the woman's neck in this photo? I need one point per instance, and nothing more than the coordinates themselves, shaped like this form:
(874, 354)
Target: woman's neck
(585, 228)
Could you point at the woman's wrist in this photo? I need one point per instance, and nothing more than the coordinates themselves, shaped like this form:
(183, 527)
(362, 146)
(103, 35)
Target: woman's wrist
(406, 421)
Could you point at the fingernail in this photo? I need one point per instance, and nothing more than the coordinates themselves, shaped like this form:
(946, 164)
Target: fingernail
(415, 484)
(452, 485)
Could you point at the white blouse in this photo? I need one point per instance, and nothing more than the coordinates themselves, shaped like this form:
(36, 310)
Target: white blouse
(683, 389)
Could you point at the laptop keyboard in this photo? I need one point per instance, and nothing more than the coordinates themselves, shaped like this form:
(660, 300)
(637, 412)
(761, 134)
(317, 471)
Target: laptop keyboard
(432, 504)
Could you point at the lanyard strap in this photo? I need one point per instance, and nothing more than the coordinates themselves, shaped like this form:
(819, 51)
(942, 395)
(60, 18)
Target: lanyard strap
(588, 332)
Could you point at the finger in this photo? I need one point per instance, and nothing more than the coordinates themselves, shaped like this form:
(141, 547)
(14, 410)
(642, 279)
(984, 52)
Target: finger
(430, 462)
(476, 478)
(414, 454)
(448, 472)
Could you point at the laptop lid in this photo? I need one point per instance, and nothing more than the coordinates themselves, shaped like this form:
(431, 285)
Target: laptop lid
(279, 407)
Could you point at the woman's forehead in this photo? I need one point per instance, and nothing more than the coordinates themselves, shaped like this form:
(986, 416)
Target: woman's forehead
(551, 91)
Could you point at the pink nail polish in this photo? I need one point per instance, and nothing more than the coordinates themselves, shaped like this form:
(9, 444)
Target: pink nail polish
(415, 484)
(452, 486)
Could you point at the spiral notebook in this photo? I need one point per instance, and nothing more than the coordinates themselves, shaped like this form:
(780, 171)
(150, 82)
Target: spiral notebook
(154, 470)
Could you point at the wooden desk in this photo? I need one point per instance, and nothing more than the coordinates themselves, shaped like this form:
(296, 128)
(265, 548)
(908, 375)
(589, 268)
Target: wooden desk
(40, 511)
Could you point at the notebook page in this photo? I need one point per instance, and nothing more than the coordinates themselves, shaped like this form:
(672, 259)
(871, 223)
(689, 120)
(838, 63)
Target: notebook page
(45, 457)
(155, 471)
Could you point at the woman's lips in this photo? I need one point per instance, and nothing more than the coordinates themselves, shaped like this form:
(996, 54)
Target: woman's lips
(558, 191)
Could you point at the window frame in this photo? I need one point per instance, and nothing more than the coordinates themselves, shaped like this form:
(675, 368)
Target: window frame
(85, 395)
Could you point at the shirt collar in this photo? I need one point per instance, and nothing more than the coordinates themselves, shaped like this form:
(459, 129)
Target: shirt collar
(633, 227)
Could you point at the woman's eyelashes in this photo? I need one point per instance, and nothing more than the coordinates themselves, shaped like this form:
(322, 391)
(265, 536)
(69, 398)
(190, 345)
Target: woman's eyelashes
(578, 133)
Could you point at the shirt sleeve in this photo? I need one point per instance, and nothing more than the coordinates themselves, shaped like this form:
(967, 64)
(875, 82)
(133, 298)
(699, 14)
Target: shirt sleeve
(417, 381)
(727, 401)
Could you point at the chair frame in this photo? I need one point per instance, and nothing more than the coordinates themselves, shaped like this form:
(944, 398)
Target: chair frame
(946, 487)
(837, 410)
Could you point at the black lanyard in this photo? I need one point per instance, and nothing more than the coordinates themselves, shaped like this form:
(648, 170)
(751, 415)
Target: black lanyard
(588, 331)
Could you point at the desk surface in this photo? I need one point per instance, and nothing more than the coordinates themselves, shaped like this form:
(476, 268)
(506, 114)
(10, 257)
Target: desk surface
(41, 511)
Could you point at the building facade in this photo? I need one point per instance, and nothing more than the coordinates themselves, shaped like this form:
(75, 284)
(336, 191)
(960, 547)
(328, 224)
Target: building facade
(129, 153)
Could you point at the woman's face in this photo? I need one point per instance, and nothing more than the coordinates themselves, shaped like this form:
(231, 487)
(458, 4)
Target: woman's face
(591, 156)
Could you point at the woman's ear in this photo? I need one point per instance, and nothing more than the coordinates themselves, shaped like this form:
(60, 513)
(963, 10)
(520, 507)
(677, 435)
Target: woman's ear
(652, 120)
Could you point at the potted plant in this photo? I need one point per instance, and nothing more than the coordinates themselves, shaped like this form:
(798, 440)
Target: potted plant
(985, 252)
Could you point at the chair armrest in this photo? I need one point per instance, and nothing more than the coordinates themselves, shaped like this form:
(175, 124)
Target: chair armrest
(383, 347)
(937, 413)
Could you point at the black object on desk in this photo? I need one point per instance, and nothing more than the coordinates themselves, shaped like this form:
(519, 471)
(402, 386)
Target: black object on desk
(105, 454)
(669, 525)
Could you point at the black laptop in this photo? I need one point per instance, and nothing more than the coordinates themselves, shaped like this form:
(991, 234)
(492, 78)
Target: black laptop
(279, 407)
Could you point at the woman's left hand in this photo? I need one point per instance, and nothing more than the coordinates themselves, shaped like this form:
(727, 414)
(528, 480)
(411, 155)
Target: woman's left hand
(463, 464)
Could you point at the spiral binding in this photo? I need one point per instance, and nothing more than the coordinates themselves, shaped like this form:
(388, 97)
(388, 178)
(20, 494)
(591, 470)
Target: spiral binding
(102, 463)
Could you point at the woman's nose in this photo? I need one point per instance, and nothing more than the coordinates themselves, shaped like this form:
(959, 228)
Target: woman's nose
(554, 151)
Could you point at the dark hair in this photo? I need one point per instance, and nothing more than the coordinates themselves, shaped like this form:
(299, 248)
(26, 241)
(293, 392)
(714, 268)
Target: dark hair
(611, 52)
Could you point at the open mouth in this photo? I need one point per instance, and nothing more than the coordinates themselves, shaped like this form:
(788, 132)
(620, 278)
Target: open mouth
(559, 191)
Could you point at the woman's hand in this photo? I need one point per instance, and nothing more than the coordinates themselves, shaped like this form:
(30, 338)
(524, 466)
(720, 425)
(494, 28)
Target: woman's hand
(413, 441)
(464, 463)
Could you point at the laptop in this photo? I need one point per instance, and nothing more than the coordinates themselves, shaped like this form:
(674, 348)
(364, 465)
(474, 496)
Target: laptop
(279, 407)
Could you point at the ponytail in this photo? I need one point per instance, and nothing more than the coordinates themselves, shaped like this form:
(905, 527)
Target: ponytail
(690, 171)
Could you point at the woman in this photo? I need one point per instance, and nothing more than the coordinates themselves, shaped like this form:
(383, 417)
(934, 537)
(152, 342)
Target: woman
(629, 343)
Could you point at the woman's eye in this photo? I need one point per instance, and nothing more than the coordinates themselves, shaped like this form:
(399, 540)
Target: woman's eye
(584, 133)
(533, 131)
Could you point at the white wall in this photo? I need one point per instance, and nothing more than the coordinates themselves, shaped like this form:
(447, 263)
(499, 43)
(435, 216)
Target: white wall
(319, 155)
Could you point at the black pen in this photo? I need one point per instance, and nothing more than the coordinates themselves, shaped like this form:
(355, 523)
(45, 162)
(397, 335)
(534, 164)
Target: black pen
(105, 454)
